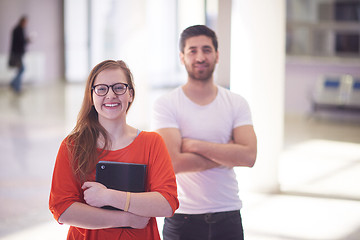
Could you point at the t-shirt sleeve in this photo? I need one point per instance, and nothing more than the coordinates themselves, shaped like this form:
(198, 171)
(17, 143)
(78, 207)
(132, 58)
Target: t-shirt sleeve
(164, 113)
(242, 113)
(65, 189)
(161, 174)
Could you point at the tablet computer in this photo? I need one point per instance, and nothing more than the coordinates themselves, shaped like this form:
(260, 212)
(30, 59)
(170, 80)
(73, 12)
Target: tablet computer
(128, 177)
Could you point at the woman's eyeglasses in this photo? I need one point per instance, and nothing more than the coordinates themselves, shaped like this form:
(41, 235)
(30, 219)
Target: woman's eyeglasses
(103, 89)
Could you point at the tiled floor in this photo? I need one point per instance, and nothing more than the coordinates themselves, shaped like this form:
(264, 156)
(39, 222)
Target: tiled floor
(319, 171)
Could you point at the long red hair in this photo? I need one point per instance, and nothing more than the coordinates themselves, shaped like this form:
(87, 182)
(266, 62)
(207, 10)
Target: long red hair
(82, 141)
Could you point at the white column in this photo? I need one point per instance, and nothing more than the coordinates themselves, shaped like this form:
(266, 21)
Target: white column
(162, 42)
(257, 73)
(76, 40)
(223, 32)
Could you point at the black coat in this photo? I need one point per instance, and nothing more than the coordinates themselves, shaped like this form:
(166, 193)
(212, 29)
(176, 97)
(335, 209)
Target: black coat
(18, 44)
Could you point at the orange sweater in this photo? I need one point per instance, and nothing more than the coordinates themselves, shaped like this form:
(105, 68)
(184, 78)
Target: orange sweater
(148, 148)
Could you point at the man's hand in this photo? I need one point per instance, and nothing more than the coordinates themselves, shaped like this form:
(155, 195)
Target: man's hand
(188, 145)
(239, 151)
(182, 153)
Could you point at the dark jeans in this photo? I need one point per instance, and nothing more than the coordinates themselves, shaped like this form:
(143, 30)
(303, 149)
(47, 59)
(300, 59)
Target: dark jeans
(16, 82)
(210, 226)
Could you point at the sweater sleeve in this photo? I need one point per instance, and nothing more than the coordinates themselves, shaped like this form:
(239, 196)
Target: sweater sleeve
(65, 189)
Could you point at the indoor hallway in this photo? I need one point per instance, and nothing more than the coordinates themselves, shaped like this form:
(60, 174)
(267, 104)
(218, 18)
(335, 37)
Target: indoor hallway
(318, 170)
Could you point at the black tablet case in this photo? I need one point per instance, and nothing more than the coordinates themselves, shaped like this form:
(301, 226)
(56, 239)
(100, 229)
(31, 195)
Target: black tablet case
(129, 177)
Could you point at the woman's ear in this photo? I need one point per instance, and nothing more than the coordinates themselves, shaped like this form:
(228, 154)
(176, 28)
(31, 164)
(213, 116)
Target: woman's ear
(131, 93)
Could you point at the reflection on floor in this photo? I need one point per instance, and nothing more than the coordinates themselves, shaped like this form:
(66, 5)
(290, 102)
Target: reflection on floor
(319, 172)
(322, 167)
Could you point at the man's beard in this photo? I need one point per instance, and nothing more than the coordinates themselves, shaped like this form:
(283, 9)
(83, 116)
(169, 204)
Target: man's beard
(203, 75)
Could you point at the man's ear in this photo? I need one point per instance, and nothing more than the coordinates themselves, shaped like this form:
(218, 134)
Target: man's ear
(217, 56)
(182, 58)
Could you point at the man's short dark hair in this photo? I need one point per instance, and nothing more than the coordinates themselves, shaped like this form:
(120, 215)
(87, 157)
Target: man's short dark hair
(197, 30)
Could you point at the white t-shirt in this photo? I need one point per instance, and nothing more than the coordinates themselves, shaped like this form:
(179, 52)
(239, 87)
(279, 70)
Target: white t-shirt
(213, 190)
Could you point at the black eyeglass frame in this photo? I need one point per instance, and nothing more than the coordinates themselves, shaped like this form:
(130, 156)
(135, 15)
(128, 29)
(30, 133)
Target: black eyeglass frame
(110, 86)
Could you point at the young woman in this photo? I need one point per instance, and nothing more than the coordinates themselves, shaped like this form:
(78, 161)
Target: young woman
(101, 133)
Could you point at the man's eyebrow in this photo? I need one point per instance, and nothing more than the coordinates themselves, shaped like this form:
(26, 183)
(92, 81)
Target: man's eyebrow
(202, 47)
(207, 46)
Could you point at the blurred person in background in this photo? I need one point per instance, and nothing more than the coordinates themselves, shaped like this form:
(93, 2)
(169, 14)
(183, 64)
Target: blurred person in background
(19, 41)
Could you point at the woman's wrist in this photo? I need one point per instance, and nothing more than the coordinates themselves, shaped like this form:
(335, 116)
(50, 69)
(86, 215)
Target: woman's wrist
(116, 199)
(124, 219)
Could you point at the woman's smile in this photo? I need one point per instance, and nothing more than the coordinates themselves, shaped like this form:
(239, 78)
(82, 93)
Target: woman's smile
(111, 105)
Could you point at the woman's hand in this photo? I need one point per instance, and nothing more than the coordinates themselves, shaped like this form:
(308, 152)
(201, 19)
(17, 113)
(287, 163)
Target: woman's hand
(136, 221)
(95, 194)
